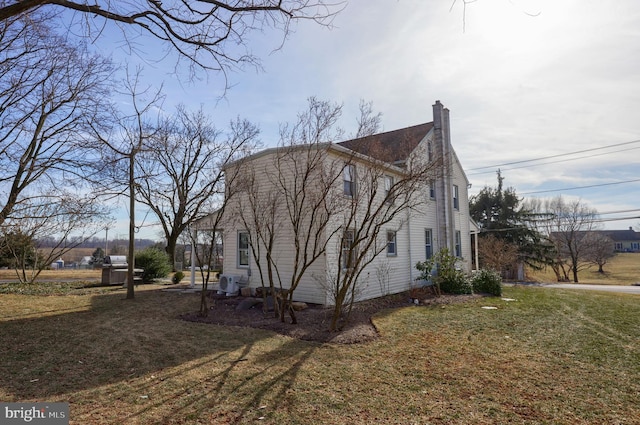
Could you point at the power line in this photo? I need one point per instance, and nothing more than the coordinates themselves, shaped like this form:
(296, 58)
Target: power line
(555, 156)
(618, 212)
(522, 227)
(550, 162)
(580, 187)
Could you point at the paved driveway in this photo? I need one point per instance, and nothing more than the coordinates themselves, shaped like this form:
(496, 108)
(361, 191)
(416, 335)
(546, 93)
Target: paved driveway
(606, 288)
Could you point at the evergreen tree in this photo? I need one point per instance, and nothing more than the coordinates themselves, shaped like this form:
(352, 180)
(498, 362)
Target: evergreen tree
(499, 212)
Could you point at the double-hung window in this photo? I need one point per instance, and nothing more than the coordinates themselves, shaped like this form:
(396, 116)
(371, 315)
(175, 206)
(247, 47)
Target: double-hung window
(349, 179)
(432, 189)
(428, 243)
(392, 247)
(388, 185)
(458, 246)
(243, 249)
(456, 197)
(348, 249)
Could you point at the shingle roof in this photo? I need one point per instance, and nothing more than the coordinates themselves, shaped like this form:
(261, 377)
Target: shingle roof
(622, 235)
(391, 146)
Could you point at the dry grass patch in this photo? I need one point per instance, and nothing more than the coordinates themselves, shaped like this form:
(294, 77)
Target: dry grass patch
(622, 269)
(54, 275)
(550, 357)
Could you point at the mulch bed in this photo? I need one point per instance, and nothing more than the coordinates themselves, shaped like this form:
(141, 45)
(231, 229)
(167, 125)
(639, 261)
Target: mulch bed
(313, 322)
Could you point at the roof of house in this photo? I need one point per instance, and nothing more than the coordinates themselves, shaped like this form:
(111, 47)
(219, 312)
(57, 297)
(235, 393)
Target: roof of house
(615, 235)
(622, 235)
(391, 146)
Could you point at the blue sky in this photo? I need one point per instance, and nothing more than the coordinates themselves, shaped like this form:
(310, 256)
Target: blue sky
(522, 79)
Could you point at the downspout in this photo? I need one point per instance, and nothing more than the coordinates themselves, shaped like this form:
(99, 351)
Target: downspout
(475, 241)
(409, 245)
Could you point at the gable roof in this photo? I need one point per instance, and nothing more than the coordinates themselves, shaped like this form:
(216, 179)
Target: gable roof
(622, 235)
(615, 235)
(392, 146)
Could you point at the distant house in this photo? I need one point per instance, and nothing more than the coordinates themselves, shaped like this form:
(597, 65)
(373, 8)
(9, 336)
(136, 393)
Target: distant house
(439, 219)
(624, 240)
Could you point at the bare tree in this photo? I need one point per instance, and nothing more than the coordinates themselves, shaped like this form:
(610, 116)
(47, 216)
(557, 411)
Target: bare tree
(120, 148)
(206, 232)
(570, 223)
(67, 220)
(292, 201)
(50, 94)
(306, 204)
(208, 34)
(600, 249)
(304, 182)
(258, 212)
(183, 164)
(497, 254)
(382, 200)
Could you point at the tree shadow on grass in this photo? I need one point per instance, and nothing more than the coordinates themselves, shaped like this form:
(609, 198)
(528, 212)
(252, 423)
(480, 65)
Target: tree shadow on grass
(114, 340)
(246, 388)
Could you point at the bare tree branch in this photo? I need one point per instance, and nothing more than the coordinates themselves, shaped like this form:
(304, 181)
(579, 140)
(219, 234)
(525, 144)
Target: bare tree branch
(207, 33)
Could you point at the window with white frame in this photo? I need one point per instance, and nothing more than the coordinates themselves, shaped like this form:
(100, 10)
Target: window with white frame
(456, 197)
(428, 243)
(388, 185)
(432, 189)
(243, 249)
(458, 246)
(349, 178)
(392, 248)
(348, 249)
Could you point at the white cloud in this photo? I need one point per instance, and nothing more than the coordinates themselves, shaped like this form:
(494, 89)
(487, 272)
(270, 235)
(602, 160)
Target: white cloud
(518, 87)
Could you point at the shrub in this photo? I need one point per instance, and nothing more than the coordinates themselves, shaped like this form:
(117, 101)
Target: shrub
(450, 279)
(425, 268)
(177, 277)
(154, 262)
(487, 282)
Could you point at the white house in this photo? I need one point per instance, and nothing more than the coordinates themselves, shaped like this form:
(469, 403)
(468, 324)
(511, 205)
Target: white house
(334, 188)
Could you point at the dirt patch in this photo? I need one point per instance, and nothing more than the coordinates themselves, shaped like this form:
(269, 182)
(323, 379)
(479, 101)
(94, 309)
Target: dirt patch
(313, 322)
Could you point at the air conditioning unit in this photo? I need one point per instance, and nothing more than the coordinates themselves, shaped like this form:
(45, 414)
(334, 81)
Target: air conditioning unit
(229, 284)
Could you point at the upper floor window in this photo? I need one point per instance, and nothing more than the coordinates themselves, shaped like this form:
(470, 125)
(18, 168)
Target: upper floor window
(430, 151)
(432, 189)
(349, 179)
(388, 185)
(456, 197)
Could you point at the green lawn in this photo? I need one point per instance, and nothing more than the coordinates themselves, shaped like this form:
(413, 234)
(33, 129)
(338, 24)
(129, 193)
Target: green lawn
(550, 356)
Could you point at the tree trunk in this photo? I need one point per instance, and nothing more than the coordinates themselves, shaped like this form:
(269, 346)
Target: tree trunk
(204, 305)
(172, 242)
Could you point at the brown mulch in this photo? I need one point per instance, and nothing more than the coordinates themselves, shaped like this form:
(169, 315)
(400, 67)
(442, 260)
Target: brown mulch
(313, 322)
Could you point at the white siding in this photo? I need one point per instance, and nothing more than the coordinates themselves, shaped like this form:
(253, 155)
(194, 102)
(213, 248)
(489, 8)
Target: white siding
(385, 274)
(309, 289)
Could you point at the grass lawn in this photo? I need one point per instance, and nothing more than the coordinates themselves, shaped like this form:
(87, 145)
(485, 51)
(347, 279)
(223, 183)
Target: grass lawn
(622, 269)
(550, 356)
